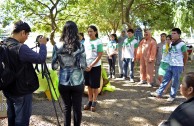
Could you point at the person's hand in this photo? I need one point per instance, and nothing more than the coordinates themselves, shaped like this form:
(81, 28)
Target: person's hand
(150, 61)
(42, 40)
(110, 57)
(88, 68)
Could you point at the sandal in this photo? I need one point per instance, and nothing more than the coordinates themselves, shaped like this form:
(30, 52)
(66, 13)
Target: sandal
(93, 107)
(88, 105)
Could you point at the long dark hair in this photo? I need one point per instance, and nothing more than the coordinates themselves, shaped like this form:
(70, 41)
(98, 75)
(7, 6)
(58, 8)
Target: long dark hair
(82, 34)
(95, 29)
(115, 36)
(70, 36)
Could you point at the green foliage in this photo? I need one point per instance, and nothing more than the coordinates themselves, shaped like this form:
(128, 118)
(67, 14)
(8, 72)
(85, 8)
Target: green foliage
(184, 14)
(51, 15)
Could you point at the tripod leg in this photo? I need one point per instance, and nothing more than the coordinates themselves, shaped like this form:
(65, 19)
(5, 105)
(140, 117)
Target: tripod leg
(46, 71)
(53, 100)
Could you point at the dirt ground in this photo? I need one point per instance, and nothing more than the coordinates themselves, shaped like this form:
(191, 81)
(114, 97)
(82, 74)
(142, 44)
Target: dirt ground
(129, 105)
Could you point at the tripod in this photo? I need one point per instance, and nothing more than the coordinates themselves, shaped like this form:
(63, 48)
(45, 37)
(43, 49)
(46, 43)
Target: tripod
(46, 73)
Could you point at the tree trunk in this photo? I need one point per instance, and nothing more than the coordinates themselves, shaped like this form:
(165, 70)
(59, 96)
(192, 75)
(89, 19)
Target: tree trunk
(127, 12)
(122, 12)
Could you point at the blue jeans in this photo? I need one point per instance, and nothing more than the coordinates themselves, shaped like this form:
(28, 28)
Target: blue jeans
(174, 73)
(19, 109)
(127, 62)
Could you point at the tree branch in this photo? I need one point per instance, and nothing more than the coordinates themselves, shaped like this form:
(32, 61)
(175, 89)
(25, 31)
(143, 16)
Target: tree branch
(63, 8)
(128, 9)
(143, 5)
(43, 4)
(52, 2)
(63, 19)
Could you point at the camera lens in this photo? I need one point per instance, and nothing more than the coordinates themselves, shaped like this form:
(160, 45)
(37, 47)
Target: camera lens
(39, 36)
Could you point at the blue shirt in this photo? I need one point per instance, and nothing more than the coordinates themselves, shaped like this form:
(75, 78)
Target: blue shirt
(28, 55)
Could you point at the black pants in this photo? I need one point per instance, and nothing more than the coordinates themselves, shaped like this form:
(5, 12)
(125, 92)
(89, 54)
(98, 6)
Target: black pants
(72, 97)
(111, 63)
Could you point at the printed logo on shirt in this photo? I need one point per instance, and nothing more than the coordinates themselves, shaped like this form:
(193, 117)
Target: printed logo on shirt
(91, 47)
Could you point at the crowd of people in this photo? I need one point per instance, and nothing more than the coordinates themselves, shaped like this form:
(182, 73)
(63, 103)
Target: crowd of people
(159, 63)
(80, 65)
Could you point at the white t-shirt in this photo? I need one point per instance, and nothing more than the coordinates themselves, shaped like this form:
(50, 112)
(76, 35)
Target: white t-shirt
(129, 48)
(176, 54)
(92, 47)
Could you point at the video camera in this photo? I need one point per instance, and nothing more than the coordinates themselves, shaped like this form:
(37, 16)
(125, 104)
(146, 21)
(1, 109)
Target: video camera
(37, 38)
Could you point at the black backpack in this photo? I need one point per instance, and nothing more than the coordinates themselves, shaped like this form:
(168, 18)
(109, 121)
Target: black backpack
(7, 75)
(17, 78)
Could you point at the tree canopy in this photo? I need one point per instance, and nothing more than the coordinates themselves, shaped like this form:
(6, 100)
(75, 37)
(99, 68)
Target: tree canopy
(109, 15)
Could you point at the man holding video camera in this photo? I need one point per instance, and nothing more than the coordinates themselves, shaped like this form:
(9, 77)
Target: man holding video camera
(19, 96)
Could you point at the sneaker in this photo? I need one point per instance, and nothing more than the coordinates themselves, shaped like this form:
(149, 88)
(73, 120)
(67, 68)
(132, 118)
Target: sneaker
(132, 81)
(88, 105)
(109, 77)
(93, 107)
(150, 85)
(124, 78)
(155, 94)
(113, 76)
(170, 99)
(141, 82)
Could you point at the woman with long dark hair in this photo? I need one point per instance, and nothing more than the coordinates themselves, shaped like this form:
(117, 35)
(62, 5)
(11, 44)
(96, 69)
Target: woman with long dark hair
(112, 51)
(94, 51)
(71, 58)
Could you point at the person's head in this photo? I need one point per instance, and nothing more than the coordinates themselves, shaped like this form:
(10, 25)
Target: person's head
(176, 33)
(147, 34)
(163, 37)
(168, 39)
(70, 35)
(21, 31)
(113, 37)
(81, 36)
(123, 33)
(187, 86)
(130, 33)
(92, 32)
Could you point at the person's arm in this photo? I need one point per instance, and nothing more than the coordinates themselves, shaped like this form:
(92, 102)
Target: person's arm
(153, 51)
(99, 55)
(28, 55)
(123, 50)
(138, 54)
(185, 54)
(185, 58)
(96, 60)
(135, 50)
(107, 50)
(54, 63)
